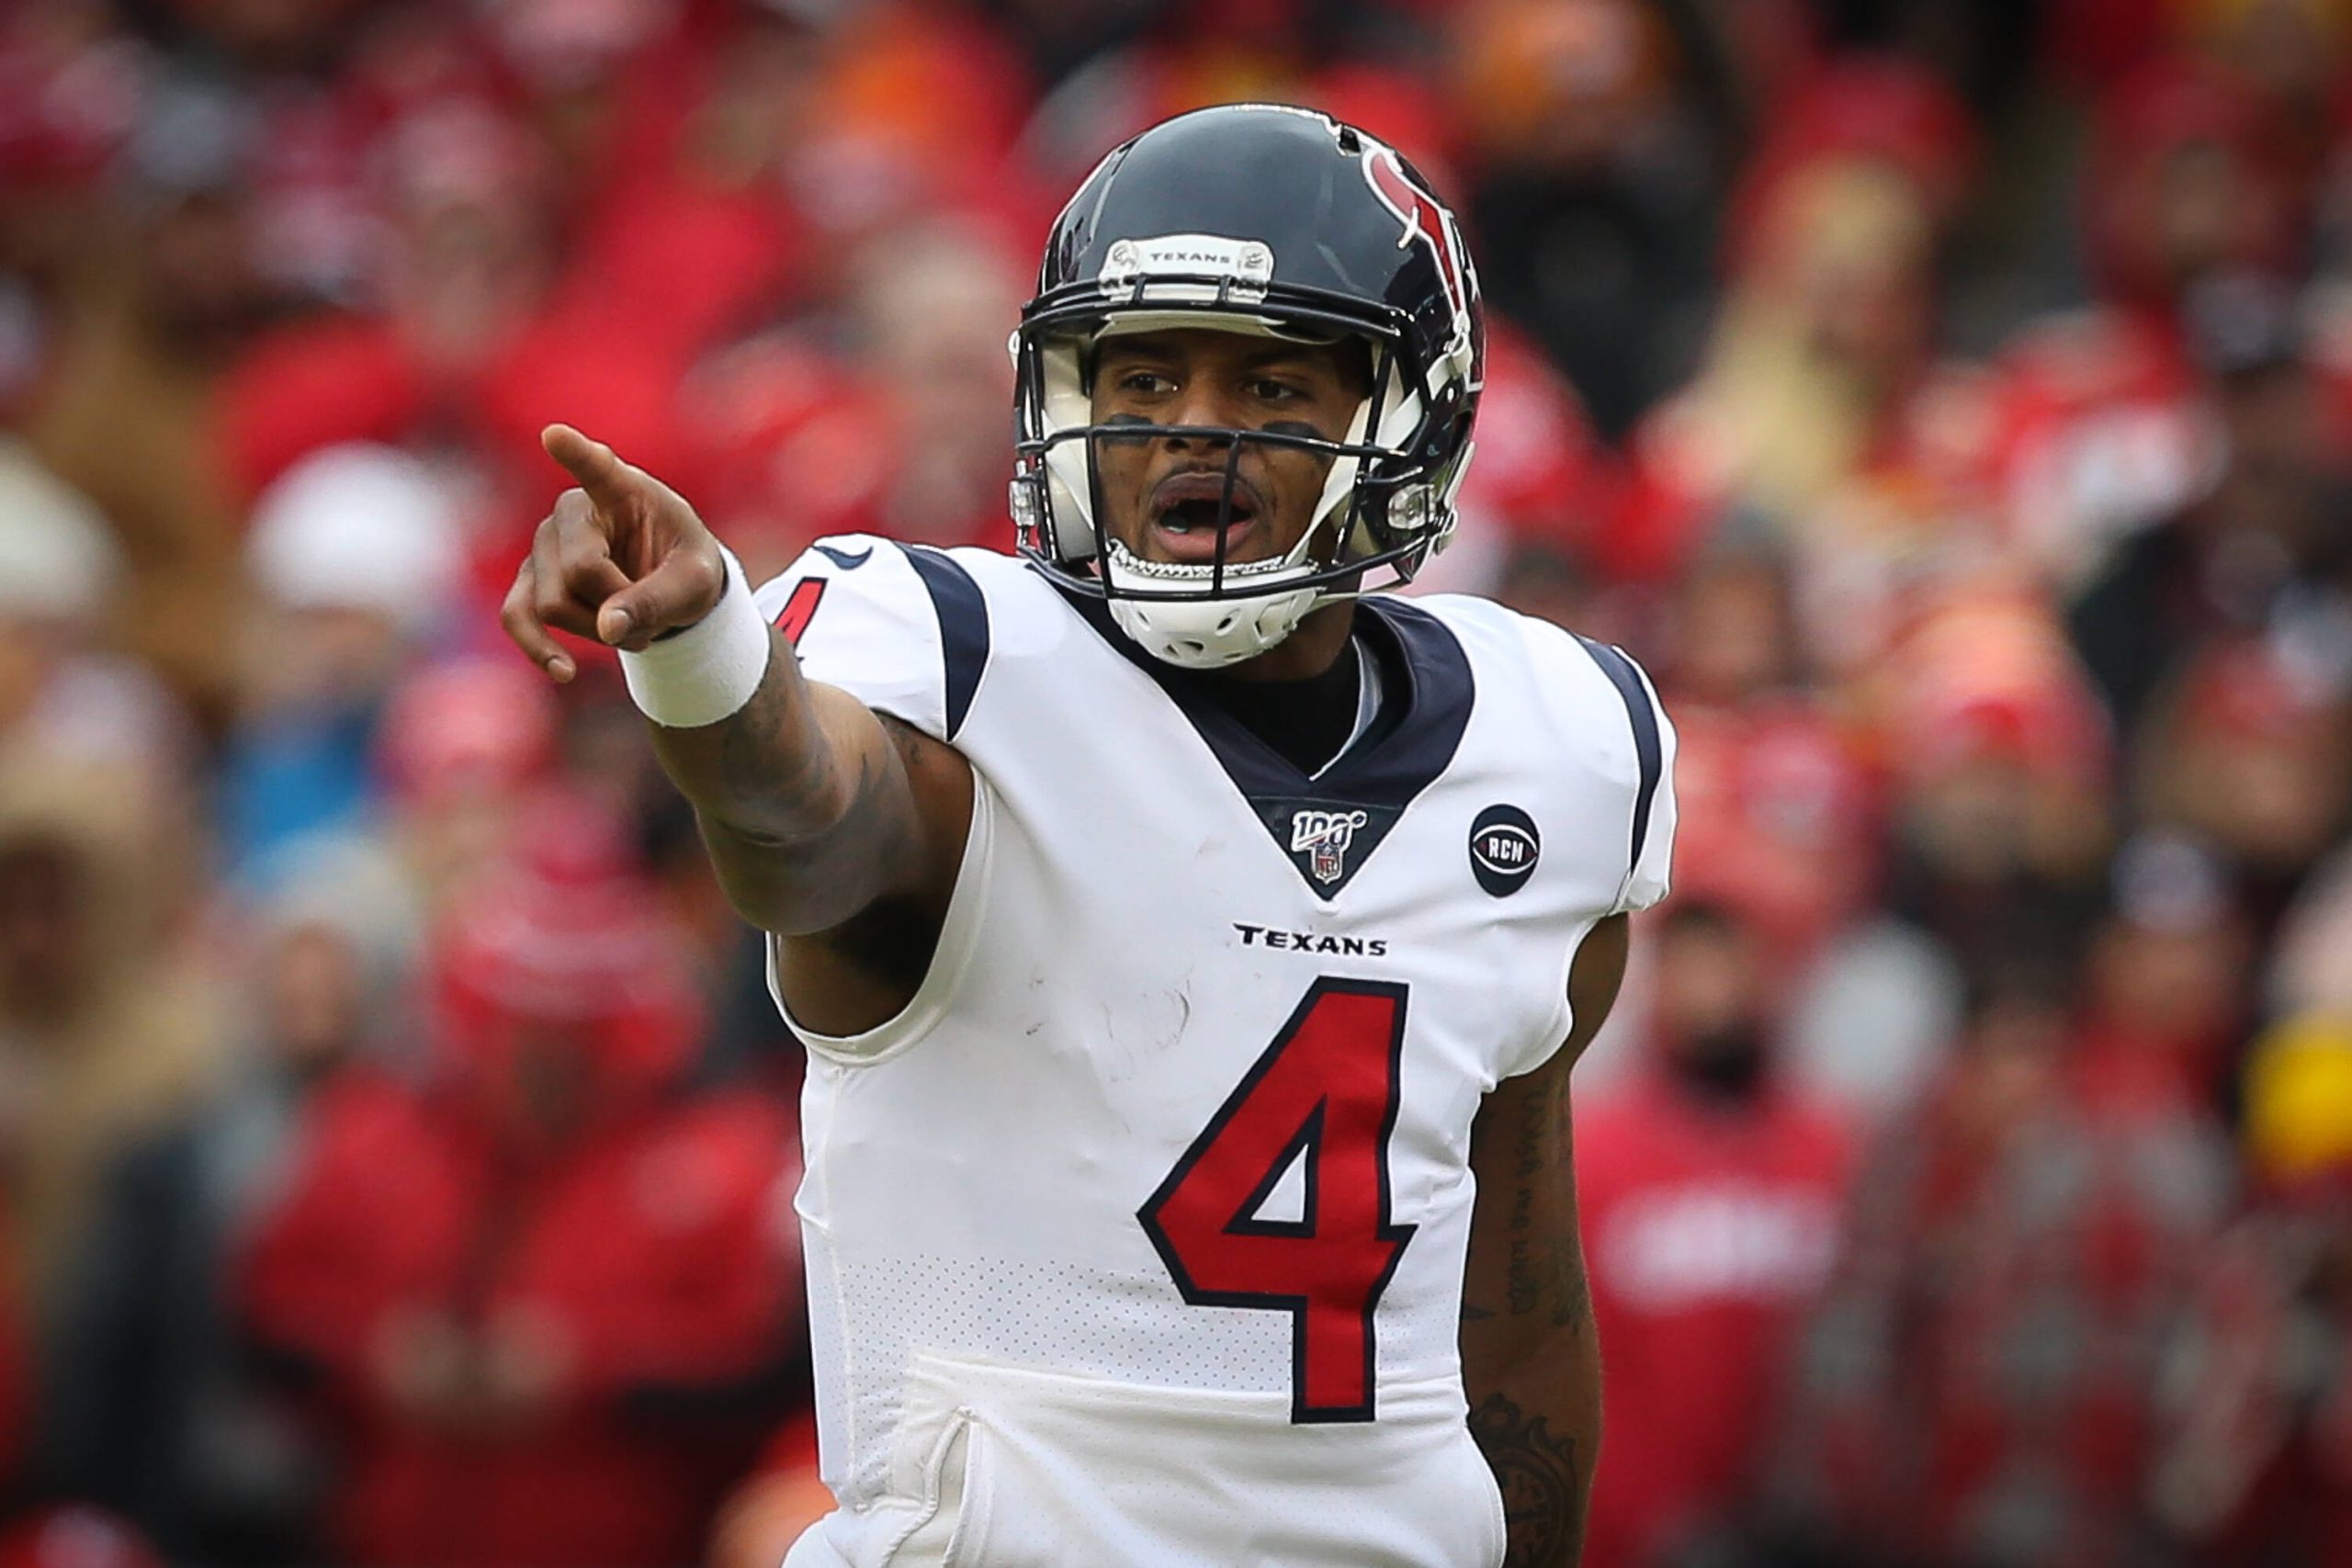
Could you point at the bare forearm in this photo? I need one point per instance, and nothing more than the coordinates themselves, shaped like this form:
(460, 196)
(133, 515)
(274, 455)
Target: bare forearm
(1530, 1359)
(801, 800)
(764, 771)
(1536, 1414)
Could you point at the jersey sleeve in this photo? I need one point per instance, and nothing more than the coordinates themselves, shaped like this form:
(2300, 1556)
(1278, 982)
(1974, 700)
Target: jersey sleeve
(1653, 860)
(901, 628)
(1647, 766)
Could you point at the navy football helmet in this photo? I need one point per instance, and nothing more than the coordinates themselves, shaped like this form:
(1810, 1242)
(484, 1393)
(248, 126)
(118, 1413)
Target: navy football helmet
(1285, 223)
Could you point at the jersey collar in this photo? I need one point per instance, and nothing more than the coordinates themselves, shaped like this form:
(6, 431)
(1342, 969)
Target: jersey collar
(1329, 824)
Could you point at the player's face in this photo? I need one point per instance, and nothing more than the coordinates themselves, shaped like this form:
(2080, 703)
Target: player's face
(1161, 496)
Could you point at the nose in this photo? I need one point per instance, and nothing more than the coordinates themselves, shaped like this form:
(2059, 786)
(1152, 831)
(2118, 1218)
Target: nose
(1202, 402)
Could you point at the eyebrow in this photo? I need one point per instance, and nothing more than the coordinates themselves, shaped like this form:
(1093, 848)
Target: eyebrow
(1302, 356)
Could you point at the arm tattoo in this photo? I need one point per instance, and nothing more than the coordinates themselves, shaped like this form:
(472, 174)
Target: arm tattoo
(1547, 1272)
(814, 809)
(1542, 1499)
(770, 751)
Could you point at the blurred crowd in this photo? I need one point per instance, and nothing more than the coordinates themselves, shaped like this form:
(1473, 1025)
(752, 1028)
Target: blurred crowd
(1951, 404)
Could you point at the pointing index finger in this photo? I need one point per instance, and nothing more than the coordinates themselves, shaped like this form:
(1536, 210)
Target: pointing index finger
(608, 480)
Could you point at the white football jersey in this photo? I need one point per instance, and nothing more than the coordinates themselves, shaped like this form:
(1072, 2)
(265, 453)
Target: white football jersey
(1138, 1236)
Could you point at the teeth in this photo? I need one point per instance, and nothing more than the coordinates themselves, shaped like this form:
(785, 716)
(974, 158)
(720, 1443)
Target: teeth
(1183, 522)
(1194, 571)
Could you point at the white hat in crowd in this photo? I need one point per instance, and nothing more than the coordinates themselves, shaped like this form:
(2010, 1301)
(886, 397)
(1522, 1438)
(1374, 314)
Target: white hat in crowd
(57, 554)
(358, 527)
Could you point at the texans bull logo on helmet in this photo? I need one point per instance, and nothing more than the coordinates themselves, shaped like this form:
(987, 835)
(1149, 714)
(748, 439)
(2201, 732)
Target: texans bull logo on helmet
(1424, 216)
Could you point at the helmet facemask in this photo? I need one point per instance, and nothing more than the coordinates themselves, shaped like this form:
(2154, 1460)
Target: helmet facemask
(1378, 508)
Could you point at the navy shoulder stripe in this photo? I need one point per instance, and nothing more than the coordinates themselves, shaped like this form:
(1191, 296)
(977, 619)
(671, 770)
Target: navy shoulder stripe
(1628, 681)
(963, 626)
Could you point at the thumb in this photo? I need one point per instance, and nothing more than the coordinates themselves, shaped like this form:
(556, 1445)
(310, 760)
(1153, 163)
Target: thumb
(680, 590)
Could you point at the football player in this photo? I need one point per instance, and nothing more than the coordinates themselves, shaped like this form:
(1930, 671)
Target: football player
(1189, 951)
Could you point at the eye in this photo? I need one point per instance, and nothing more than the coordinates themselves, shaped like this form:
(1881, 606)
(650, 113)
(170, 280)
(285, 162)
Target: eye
(1268, 390)
(1150, 383)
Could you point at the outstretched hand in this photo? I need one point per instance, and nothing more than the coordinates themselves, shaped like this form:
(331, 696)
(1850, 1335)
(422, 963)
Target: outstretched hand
(621, 558)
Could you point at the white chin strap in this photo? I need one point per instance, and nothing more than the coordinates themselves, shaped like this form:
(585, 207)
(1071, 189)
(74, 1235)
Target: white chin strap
(1207, 634)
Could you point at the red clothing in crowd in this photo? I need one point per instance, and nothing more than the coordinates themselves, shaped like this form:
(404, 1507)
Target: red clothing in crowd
(2259, 1465)
(1981, 1383)
(1707, 1227)
(2098, 423)
(15, 1380)
(1778, 817)
(611, 1285)
(650, 1253)
(1541, 474)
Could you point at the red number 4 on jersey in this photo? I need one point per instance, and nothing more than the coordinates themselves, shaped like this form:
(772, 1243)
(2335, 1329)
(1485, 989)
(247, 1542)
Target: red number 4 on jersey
(1325, 1094)
(801, 608)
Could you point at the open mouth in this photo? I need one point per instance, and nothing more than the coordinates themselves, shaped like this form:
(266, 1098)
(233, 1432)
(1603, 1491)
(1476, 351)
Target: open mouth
(1185, 508)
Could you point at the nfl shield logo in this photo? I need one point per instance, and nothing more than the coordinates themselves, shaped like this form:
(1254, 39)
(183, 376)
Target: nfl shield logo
(1324, 837)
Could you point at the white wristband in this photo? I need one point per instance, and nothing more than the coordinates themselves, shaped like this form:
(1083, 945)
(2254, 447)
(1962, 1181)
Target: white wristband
(710, 670)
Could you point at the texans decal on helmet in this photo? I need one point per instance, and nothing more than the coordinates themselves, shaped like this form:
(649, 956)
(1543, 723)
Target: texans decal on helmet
(1424, 218)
